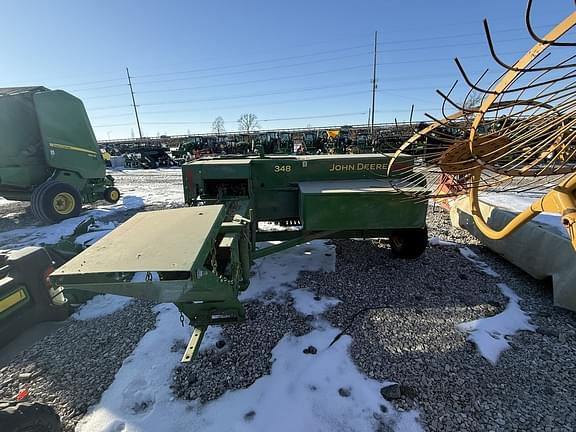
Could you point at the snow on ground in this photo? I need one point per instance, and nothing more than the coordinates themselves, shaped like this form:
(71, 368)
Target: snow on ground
(167, 190)
(101, 305)
(51, 234)
(518, 203)
(467, 253)
(307, 303)
(95, 232)
(277, 273)
(489, 334)
(303, 392)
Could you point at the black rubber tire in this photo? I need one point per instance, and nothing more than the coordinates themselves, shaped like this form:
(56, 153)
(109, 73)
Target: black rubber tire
(409, 243)
(28, 417)
(35, 201)
(45, 201)
(111, 195)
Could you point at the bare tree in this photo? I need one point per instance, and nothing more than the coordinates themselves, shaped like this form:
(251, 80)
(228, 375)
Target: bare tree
(248, 122)
(218, 126)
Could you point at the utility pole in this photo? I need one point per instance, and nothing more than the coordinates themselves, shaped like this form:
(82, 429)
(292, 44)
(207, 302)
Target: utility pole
(374, 86)
(134, 103)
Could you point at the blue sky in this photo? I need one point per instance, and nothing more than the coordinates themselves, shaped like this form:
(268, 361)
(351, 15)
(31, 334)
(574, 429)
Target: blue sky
(292, 63)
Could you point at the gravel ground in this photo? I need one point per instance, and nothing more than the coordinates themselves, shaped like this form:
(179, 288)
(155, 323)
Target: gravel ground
(410, 339)
(71, 368)
(246, 355)
(413, 340)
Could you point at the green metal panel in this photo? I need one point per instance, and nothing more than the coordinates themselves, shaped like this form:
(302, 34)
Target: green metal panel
(22, 162)
(176, 240)
(357, 205)
(69, 142)
(275, 180)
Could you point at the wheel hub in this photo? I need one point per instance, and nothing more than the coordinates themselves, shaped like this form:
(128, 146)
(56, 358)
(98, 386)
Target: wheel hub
(64, 203)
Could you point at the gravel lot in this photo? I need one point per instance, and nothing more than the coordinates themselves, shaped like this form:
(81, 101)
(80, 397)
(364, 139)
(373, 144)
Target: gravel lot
(410, 338)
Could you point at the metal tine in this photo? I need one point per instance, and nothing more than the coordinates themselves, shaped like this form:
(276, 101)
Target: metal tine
(513, 68)
(533, 34)
(548, 84)
(513, 90)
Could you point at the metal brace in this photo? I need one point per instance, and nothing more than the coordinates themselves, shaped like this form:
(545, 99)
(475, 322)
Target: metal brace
(194, 344)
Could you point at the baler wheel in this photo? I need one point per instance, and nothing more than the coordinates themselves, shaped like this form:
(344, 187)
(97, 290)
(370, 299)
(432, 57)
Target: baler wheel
(111, 195)
(35, 200)
(56, 201)
(409, 243)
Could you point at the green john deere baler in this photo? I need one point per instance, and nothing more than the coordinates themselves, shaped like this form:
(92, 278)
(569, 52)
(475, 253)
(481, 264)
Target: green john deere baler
(49, 154)
(199, 257)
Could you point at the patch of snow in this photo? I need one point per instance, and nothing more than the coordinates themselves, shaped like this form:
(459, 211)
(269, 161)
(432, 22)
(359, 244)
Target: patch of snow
(305, 302)
(4, 201)
(435, 241)
(277, 272)
(271, 227)
(52, 234)
(301, 393)
(167, 190)
(489, 334)
(95, 232)
(101, 305)
(467, 253)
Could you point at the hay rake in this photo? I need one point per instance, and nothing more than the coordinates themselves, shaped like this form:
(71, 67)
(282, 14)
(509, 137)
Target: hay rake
(518, 136)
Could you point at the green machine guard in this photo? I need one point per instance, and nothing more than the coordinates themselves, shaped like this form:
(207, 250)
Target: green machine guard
(200, 254)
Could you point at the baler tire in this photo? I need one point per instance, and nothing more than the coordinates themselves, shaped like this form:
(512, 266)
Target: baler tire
(70, 199)
(111, 195)
(36, 202)
(28, 417)
(409, 243)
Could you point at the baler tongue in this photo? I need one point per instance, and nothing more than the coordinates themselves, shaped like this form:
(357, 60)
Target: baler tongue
(175, 244)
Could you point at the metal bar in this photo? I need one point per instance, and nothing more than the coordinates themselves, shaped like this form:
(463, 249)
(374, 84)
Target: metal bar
(290, 243)
(194, 344)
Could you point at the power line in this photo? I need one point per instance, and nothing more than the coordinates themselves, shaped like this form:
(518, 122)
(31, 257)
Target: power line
(388, 90)
(267, 61)
(268, 120)
(281, 119)
(383, 43)
(391, 63)
(301, 90)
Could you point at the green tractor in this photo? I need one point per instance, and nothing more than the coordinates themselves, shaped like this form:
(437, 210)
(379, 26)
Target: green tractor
(49, 154)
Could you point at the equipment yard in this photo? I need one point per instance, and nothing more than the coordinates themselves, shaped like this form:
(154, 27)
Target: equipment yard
(413, 356)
